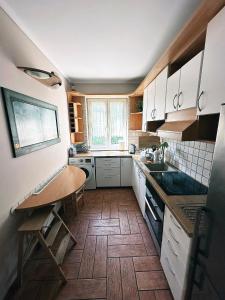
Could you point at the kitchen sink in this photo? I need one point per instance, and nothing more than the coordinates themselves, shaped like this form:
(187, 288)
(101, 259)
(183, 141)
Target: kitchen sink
(159, 167)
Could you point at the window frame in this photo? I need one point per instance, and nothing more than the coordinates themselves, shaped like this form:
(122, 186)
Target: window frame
(106, 100)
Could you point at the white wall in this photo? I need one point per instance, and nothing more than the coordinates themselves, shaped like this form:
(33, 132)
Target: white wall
(19, 176)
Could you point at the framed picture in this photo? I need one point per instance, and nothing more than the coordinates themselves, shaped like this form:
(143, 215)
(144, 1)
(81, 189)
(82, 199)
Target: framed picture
(33, 124)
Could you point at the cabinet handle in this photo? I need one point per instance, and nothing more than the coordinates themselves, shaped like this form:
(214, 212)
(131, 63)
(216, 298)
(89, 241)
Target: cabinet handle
(178, 103)
(174, 106)
(173, 237)
(168, 263)
(171, 248)
(175, 223)
(198, 100)
(151, 211)
(152, 114)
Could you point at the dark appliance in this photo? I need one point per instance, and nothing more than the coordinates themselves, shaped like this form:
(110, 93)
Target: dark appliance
(172, 183)
(178, 183)
(132, 149)
(154, 213)
(207, 275)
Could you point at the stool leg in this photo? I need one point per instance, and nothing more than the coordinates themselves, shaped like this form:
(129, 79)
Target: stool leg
(20, 258)
(65, 226)
(48, 250)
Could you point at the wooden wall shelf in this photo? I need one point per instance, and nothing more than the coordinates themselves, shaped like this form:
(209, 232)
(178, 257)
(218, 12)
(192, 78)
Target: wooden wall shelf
(75, 107)
(135, 114)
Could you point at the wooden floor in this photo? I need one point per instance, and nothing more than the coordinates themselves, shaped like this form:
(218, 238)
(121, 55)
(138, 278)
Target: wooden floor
(114, 259)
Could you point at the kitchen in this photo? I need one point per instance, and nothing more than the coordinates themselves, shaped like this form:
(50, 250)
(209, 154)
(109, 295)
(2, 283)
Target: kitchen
(129, 173)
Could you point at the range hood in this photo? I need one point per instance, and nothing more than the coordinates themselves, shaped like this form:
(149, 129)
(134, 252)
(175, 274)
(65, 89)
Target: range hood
(179, 130)
(185, 125)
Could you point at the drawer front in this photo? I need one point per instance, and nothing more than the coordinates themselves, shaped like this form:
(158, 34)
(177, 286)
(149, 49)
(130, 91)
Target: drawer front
(171, 277)
(107, 171)
(179, 259)
(107, 162)
(107, 180)
(176, 233)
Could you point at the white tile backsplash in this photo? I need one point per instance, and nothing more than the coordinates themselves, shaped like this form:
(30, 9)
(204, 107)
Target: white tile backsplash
(193, 158)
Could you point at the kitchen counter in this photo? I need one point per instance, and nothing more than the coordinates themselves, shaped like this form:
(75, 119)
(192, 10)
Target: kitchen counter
(104, 154)
(173, 202)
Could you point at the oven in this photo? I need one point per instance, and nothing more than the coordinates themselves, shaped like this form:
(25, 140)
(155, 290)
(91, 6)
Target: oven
(154, 214)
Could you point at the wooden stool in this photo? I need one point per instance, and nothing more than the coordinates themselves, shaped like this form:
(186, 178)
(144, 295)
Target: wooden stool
(73, 204)
(35, 225)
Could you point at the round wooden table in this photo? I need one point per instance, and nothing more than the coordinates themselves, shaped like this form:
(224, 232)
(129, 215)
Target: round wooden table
(64, 185)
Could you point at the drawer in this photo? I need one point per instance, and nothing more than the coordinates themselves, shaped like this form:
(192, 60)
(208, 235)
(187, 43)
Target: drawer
(107, 180)
(171, 277)
(107, 162)
(176, 233)
(179, 259)
(107, 171)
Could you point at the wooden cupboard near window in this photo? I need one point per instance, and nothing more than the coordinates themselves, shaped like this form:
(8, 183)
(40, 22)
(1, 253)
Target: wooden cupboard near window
(183, 85)
(212, 88)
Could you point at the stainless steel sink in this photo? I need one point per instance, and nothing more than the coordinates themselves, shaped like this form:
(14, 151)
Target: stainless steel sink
(159, 167)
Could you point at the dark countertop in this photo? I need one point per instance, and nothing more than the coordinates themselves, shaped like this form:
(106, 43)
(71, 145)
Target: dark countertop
(173, 202)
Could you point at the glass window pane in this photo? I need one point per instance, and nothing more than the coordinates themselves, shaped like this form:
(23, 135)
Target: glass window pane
(117, 122)
(98, 123)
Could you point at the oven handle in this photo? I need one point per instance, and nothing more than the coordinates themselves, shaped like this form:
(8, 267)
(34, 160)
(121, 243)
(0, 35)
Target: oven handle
(154, 217)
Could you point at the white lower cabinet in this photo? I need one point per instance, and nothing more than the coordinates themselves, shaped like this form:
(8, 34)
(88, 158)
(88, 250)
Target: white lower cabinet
(126, 169)
(113, 171)
(175, 255)
(138, 184)
(107, 172)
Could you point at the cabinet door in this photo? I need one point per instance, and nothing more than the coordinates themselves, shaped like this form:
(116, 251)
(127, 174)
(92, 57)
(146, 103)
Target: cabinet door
(212, 82)
(151, 101)
(189, 82)
(160, 95)
(126, 169)
(172, 92)
(144, 113)
(136, 180)
(142, 192)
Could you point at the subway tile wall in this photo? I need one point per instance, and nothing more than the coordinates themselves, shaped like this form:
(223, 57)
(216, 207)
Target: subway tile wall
(193, 158)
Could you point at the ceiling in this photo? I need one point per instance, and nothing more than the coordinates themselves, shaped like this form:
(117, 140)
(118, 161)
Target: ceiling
(101, 41)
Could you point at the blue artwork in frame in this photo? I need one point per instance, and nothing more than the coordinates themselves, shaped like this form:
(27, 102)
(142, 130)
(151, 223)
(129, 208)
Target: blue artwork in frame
(33, 124)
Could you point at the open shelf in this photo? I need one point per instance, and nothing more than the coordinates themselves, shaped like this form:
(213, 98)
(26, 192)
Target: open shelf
(136, 104)
(75, 109)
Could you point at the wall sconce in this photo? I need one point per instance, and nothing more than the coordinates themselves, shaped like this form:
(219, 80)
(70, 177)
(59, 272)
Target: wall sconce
(47, 78)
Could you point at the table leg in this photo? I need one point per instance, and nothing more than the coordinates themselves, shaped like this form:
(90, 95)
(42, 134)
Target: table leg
(20, 258)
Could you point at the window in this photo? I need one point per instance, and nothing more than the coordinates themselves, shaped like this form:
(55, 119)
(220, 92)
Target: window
(107, 123)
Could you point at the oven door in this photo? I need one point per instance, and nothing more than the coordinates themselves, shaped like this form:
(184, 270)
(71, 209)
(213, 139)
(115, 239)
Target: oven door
(155, 217)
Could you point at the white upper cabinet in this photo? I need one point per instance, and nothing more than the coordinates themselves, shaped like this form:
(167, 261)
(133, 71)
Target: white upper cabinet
(160, 95)
(172, 92)
(189, 82)
(212, 82)
(144, 113)
(183, 86)
(151, 101)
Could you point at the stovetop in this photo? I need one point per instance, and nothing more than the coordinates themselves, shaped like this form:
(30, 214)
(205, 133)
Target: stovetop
(179, 183)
